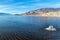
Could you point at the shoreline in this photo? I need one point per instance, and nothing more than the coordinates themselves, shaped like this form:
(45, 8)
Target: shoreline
(37, 15)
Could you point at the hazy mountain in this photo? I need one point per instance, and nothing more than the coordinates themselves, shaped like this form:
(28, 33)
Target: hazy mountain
(4, 13)
(43, 12)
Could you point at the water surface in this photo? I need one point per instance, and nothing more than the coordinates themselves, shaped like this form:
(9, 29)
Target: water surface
(28, 28)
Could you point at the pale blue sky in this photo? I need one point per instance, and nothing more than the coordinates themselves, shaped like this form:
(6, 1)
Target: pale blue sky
(22, 6)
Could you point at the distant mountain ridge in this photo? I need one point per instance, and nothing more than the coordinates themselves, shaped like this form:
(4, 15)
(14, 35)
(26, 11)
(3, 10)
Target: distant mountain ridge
(4, 13)
(43, 12)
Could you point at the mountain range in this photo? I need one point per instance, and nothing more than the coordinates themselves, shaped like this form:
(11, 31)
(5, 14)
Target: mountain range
(42, 12)
(4, 13)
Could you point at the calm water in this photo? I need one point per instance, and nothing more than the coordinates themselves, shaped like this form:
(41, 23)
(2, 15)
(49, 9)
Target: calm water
(28, 28)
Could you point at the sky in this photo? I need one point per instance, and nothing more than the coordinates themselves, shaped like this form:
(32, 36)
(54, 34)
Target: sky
(22, 6)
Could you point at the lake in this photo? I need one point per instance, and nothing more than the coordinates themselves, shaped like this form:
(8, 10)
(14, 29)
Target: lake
(28, 28)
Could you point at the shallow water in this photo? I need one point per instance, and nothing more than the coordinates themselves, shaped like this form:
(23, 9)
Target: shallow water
(28, 28)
